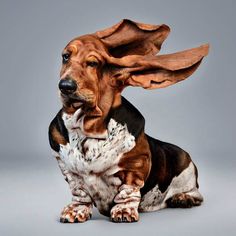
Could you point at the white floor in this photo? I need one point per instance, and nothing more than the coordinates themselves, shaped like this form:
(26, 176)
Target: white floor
(33, 192)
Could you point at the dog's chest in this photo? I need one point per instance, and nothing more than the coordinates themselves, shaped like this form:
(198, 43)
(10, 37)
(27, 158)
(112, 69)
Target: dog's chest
(96, 160)
(91, 155)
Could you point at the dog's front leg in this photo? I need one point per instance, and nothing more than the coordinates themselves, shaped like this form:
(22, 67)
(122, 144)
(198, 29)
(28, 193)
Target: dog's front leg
(127, 202)
(80, 209)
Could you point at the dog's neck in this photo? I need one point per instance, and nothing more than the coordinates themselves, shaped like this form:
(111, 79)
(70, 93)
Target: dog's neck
(95, 123)
(95, 120)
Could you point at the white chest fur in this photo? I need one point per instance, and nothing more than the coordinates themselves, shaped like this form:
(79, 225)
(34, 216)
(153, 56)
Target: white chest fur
(96, 160)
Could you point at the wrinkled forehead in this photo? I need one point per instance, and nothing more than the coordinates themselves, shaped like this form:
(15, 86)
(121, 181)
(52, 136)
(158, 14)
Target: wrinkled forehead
(85, 43)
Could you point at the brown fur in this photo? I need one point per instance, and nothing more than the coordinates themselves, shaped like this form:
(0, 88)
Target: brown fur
(136, 164)
(58, 137)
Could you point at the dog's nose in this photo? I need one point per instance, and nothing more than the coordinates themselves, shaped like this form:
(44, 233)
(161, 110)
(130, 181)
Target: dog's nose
(67, 86)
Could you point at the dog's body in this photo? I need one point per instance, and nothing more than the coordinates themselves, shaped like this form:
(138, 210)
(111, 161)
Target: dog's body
(100, 144)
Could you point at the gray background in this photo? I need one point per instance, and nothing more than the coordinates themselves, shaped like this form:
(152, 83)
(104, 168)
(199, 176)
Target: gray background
(197, 114)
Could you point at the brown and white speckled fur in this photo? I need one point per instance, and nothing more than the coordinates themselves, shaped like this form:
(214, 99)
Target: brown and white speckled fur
(94, 161)
(98, 137)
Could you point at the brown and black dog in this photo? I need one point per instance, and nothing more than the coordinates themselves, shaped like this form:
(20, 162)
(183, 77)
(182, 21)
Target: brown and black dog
(98, 136)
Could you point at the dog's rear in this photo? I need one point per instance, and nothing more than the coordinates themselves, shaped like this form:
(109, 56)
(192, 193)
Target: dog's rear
(172, 181)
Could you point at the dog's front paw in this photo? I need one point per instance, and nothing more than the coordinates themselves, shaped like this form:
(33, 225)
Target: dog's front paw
(76, 213)
(124, 212)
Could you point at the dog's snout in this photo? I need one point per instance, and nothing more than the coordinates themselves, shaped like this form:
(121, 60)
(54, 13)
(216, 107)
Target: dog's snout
(67, 86)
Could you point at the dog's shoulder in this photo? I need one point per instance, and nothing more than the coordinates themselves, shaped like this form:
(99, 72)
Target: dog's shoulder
(57, 132)
(127, 114)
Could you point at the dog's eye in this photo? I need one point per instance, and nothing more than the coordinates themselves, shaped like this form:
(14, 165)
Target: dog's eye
(92, 63)
(65, 57)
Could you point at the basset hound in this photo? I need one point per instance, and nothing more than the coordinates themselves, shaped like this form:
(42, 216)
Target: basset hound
(98, 137)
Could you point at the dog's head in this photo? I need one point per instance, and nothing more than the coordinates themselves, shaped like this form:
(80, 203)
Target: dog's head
(97, 67)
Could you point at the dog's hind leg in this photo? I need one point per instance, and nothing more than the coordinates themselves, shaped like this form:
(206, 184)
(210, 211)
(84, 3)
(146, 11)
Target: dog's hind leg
(182, 192)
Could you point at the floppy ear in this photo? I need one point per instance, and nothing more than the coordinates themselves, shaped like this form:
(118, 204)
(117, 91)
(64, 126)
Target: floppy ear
(132, 38)
(159, 71)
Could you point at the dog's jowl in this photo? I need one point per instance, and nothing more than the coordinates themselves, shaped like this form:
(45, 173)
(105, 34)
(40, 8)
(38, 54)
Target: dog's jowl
(98, 137)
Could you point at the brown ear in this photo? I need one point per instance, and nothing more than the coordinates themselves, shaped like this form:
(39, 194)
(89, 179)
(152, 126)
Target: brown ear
(159, 71)
(132, 38)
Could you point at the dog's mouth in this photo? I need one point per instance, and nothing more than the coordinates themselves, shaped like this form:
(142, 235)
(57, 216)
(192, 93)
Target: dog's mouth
(77, 105)
(76, 101)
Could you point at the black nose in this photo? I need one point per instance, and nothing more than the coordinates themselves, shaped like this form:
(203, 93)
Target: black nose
(67, 86)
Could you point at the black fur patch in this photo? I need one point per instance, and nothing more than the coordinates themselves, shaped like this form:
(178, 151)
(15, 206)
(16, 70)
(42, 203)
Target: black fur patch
(57, 123)
(127, 114)
(168, 161)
